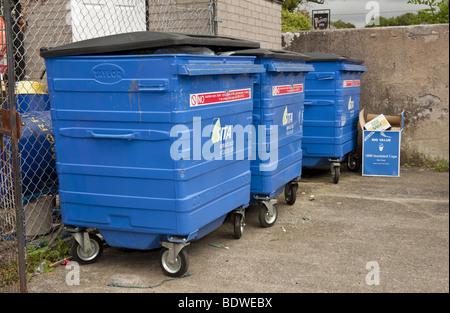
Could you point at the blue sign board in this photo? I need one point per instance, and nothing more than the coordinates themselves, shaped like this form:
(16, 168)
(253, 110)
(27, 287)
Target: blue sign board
(381, 153)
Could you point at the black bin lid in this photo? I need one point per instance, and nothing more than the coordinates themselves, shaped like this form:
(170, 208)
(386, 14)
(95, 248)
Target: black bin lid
(138, 41)
(272, 54)
(329, 57)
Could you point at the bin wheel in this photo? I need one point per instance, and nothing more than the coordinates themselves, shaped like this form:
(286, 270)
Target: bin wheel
(176, 269)
(266, 219)
(353, 162)
(87, 257)
(290, 193)
(239, 223)
(335, 173)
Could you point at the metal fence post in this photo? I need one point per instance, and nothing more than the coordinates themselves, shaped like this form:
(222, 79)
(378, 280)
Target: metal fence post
(17, 174)
(212, 18)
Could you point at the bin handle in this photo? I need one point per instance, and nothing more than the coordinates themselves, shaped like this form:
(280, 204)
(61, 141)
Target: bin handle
(119, 134)
(325, 77)
(353, 68)
(129, 136)
(322, 76)
(319, 102)
(289, 67)
(148, 86)
(218, 69)
(124, 85)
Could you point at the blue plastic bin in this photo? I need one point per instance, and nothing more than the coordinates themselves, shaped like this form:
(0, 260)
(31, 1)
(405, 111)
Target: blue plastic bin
(130, 144)
(278, 104)
(37, 157)
(331, 112)
(31, 97)
(36, 143)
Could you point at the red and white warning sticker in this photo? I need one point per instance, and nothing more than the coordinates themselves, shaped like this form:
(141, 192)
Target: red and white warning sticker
(287, 89)
(200, 99)
(348, 83)
(352, 83)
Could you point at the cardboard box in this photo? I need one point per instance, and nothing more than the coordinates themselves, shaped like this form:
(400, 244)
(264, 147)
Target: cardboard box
(381, 149)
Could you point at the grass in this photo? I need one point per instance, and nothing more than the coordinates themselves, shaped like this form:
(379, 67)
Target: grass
(36, 256)
(442, 166)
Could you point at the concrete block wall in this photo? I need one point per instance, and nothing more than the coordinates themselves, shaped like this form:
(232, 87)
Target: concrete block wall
(48, 24)
(408, 71)
(186, 16)
(256, 20)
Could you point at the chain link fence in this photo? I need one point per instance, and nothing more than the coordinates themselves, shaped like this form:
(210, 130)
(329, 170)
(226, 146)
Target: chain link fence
(49, 23)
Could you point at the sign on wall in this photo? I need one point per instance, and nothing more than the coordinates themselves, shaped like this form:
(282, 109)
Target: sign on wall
(321, 19)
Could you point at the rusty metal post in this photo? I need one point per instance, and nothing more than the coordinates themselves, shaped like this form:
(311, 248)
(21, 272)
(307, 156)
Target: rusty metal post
(17, 172)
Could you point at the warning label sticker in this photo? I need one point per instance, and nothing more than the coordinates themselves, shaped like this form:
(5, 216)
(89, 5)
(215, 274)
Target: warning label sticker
(287, 89)
(348, 83)
(352, 83)
(201, 99)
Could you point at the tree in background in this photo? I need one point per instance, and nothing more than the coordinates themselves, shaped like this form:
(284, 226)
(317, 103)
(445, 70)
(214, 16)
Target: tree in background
(292, 20)
(437, 13)
(292, 5)
(340, 24)
(402, 20)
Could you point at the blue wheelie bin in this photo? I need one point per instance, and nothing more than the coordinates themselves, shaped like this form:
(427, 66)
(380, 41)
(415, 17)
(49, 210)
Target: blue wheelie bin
(330, 126)
(31, 97)
(36, 143)
(277, 120)
(145, 151)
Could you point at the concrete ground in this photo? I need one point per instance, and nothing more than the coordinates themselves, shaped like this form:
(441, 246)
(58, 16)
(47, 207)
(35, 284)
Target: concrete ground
(334, 243)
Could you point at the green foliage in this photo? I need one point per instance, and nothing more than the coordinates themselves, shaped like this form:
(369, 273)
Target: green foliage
(433, 4)
(35, 257)
(442, 166)
(294, 21)
(38, 255)
(442, 16)
(341, 24)
(291, 5)
(402, 20)
(444, 11)
(437, 13)
(9, 276)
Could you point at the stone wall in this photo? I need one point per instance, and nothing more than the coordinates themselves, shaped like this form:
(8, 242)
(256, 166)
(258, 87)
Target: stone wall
(408, 71)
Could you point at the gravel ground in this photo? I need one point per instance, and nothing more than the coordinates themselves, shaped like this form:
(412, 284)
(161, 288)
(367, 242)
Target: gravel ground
(334, 243)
